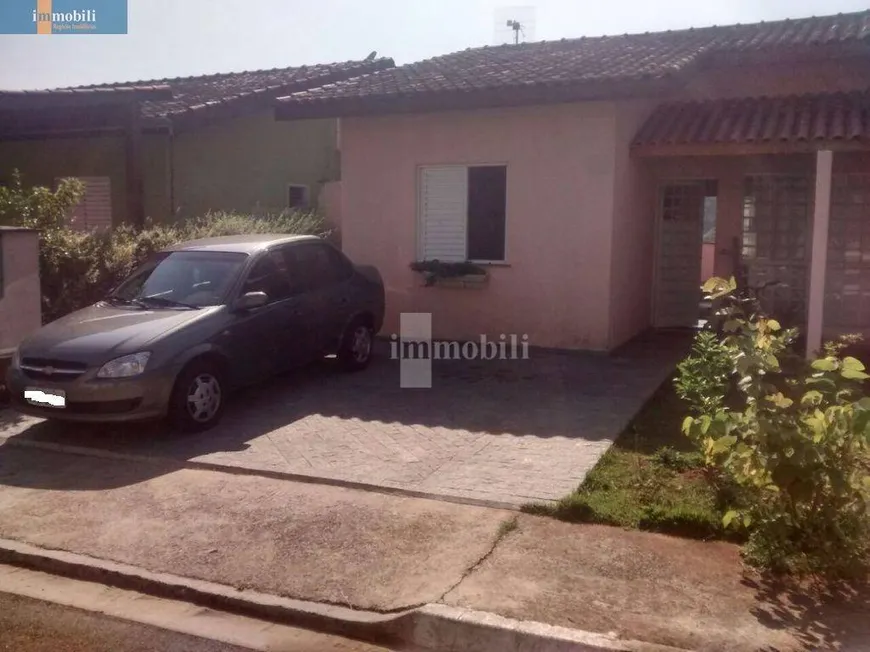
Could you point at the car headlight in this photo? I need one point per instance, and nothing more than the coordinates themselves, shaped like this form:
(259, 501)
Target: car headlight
(125, 366)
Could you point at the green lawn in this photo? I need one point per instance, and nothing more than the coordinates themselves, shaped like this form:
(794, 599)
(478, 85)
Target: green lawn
(650, 479)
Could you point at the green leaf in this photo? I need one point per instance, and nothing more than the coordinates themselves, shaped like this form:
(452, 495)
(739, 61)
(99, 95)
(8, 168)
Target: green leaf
(687, 425)
(723, 443)
(853, 374)
(747, 520)
(779, 400)
(773, 325)
(827, 382)
(864, 403)
(730, 515)
(771, 361)
(853, 363)
(824, 364)
(812, 397)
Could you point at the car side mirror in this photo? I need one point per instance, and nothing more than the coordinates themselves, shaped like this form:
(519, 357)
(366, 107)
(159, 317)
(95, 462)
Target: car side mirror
(251, 300)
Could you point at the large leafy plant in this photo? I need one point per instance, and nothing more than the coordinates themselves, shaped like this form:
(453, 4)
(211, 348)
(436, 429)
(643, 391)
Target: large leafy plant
(795, 440)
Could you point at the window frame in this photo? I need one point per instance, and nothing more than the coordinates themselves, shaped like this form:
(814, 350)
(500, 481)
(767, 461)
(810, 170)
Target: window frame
(306, 191)
(421, 245)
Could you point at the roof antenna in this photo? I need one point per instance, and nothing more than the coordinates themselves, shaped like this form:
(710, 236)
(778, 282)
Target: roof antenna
(517, 27)
(511, 22)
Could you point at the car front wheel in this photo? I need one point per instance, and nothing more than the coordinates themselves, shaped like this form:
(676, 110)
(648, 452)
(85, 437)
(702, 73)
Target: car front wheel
(356, 345)
(198, 397)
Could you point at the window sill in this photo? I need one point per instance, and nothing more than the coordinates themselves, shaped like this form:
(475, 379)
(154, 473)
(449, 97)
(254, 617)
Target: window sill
(469, 281)
(491, 263)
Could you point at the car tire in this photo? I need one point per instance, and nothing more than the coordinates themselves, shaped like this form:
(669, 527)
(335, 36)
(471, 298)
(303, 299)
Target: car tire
(198, 397)
(357, 342)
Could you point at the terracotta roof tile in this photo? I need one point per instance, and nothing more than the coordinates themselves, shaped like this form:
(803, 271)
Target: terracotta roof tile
(797, 118)
(196, 93)
(581, 61)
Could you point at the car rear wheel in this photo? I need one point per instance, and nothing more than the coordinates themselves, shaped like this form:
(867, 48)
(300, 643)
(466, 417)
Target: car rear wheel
(198, 397)
(356, 345)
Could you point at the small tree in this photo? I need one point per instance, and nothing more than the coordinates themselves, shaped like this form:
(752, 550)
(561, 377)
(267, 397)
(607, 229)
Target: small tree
(38, 207)
(797, 443)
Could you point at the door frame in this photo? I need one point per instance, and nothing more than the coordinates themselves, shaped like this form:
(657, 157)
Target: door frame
(659, 215)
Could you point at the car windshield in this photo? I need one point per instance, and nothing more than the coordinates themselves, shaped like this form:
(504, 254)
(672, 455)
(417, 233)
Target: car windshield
(191, 279)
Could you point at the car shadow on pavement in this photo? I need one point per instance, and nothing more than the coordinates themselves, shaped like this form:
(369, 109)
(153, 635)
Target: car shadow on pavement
(31, 468)
(822, 615)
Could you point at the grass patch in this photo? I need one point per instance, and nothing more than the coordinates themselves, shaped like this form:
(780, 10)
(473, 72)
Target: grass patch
(506, 527)
(651, 479)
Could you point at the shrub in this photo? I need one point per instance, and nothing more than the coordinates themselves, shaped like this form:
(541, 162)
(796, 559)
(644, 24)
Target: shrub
(796, 445)
(702, 378)
(78, 268)
(38, 207)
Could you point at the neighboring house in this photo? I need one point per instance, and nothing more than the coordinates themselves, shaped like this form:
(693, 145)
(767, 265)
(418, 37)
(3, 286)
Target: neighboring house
(577, 172)
(208, 143)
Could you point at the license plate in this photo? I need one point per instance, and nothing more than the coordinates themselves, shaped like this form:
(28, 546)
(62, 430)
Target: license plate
(55, 398)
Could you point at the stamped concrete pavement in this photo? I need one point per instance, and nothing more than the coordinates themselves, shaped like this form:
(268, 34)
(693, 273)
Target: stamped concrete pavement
(505, 432)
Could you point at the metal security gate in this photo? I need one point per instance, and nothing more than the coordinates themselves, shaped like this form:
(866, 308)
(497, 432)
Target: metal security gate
(678, 257)
(776, 247)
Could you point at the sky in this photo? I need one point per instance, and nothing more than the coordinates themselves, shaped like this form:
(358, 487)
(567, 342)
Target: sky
(170, 38)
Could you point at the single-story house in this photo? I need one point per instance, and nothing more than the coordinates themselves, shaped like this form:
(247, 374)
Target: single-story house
(201, 143)
(578, 172)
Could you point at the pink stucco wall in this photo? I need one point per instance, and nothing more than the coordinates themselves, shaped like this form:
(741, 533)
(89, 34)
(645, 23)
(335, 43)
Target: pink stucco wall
(561, 164)
(20, 300)
(633, 230)
(708, 261)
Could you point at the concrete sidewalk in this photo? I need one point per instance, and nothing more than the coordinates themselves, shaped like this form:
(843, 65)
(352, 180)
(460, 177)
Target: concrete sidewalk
(388, 554)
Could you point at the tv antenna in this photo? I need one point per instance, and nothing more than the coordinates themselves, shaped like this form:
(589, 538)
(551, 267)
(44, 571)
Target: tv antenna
(514, 25)
(517, 27)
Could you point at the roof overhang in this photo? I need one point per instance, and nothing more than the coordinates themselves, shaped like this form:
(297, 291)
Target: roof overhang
(291, 108)
(43, 114)
(757, 125)
(91, 97)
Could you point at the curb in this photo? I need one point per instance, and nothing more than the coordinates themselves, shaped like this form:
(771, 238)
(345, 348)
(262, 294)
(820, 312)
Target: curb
(435, 627)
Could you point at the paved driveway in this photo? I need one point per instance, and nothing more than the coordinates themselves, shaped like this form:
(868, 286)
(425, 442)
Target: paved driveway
(501, 431)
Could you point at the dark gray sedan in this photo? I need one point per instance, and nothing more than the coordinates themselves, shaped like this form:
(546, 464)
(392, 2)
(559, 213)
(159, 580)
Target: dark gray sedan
(195, 322)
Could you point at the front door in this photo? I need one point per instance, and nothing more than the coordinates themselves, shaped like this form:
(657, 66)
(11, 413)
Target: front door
(678, 261)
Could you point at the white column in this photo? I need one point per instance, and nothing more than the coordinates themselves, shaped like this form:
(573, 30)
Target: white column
(819, 251)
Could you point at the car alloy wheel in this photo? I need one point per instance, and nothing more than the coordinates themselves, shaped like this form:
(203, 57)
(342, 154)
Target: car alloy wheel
(203, 397)
(361, 344)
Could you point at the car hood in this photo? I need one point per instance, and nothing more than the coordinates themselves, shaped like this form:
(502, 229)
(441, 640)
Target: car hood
(102, 331)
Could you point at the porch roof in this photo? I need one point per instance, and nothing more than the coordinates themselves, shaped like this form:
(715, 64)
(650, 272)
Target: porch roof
(797, 123)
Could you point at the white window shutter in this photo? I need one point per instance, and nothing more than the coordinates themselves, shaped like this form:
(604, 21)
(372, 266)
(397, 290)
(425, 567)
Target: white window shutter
(94, 211)
(443, 213)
